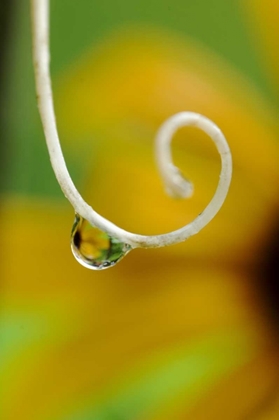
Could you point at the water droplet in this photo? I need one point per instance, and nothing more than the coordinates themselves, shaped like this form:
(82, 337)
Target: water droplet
(93, 248)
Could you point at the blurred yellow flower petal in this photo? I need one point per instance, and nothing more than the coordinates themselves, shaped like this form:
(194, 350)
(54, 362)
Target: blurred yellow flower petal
(118, 96)
(250, 390)
(263, 17)
(114, 335)
(174, 333)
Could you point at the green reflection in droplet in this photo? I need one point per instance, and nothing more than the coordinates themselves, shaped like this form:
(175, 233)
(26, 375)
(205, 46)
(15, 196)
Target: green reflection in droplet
(93, 248)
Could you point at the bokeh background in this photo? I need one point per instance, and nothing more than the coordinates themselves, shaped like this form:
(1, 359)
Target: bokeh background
(185, 332)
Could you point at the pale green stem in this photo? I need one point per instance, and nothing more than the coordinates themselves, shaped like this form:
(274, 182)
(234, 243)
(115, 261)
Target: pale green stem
(176, 185)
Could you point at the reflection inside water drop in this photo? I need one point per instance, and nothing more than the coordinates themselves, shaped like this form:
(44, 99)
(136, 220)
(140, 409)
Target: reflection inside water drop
(93, 248)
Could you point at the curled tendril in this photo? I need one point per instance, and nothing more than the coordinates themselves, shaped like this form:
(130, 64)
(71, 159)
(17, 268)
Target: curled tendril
(176, 185)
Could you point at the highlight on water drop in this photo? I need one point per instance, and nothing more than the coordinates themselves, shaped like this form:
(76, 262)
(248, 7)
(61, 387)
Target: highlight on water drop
(93, 248)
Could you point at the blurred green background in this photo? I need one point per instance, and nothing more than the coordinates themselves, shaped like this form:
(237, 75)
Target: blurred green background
(77, 26)
(189, 331)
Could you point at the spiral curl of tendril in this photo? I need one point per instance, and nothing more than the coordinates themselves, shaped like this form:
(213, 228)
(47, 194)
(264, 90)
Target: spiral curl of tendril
(175, 184)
